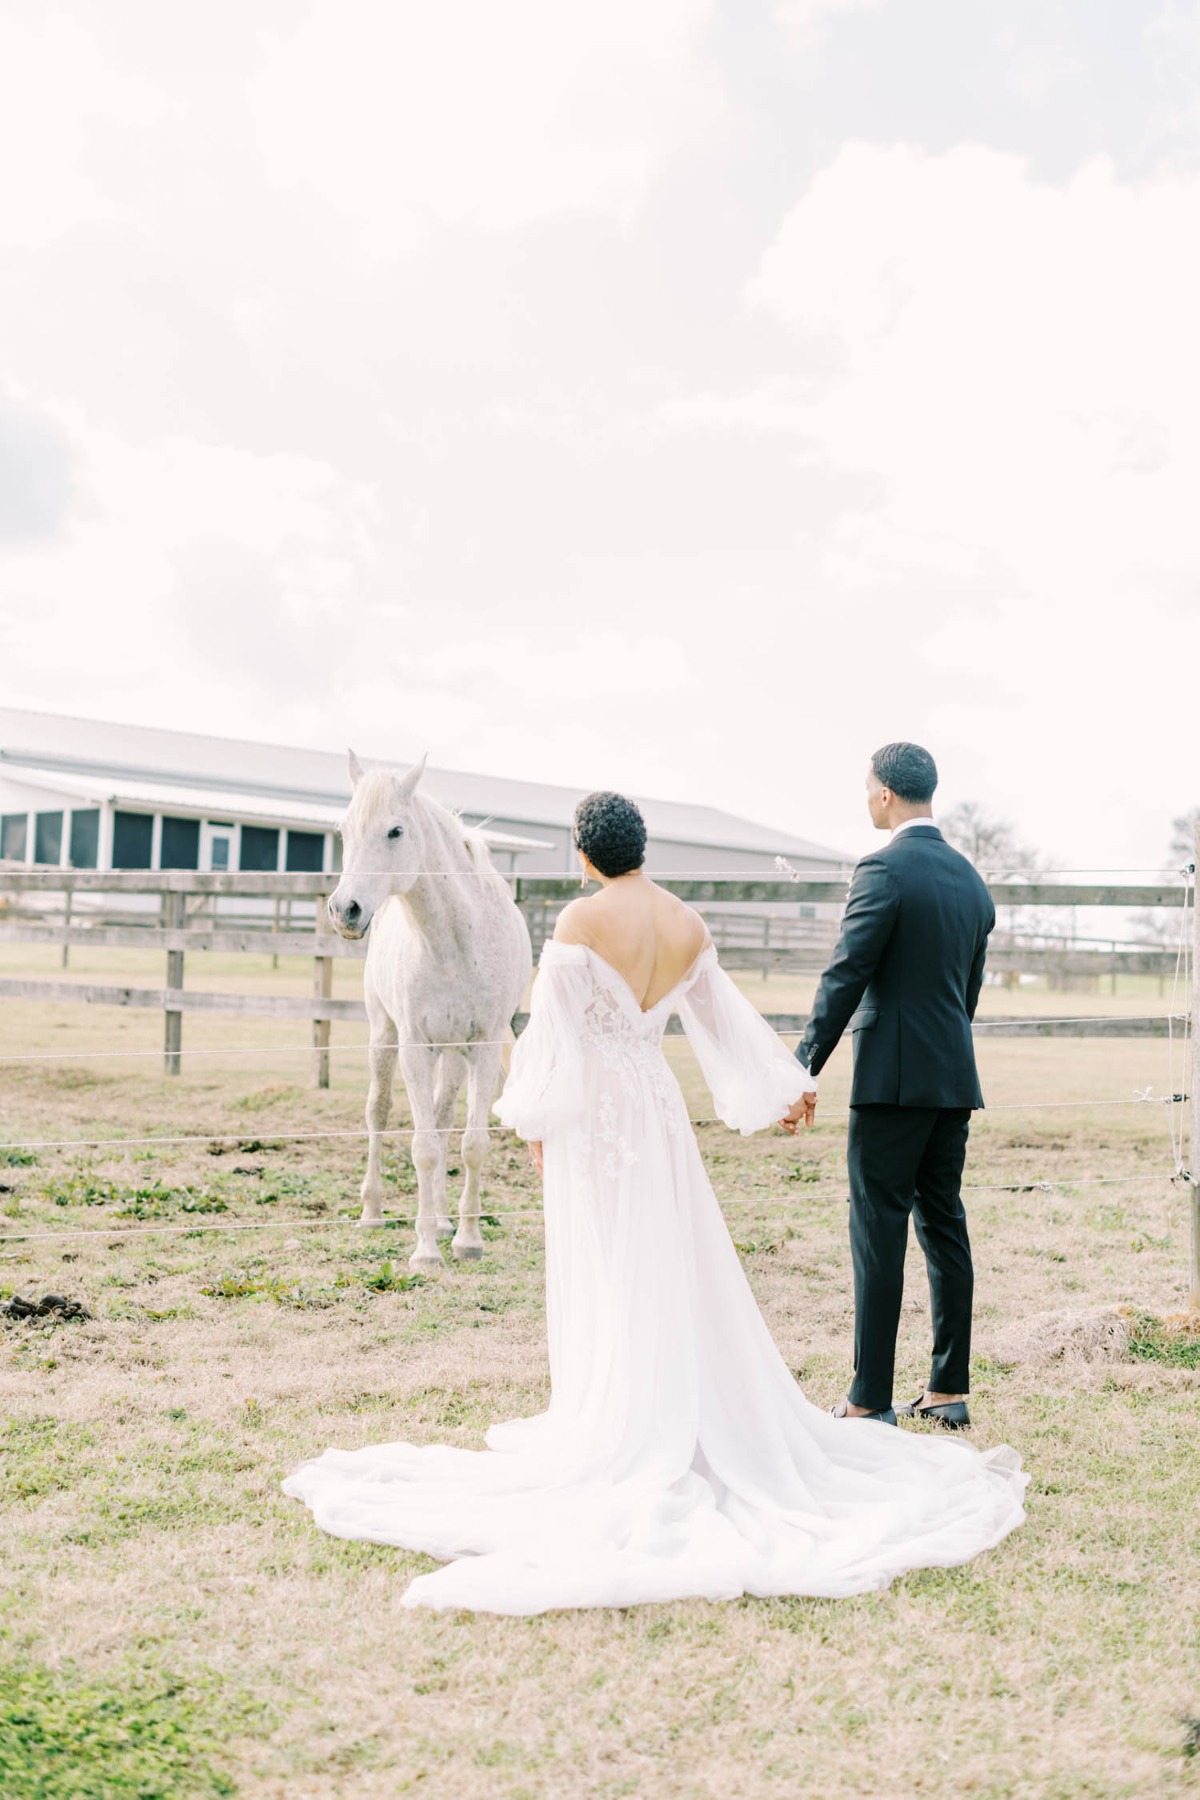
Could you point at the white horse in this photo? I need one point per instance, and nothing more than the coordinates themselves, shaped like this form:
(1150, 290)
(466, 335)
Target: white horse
(447, 964)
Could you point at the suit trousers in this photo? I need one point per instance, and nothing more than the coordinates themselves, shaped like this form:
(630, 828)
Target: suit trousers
(908, 1159)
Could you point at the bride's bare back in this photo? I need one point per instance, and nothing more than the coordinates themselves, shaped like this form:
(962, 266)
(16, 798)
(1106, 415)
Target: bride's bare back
(647, 935)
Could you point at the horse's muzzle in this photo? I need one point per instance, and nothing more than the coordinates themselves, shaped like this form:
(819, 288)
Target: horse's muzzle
(348, 920)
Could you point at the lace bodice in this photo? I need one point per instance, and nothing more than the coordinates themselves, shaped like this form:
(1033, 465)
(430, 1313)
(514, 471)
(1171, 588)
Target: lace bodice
(586, 1029)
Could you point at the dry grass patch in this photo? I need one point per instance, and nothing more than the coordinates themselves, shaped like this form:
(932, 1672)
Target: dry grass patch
(146, 1549)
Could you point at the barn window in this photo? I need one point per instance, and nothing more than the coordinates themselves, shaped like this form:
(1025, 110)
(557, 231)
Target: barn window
(85, 839)
(260, 847)
(133, 836)
(180, 843)
(47, 838)
(14, 836)
(306, 851)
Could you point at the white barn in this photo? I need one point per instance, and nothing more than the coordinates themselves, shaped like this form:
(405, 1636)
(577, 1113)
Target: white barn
(82, 793)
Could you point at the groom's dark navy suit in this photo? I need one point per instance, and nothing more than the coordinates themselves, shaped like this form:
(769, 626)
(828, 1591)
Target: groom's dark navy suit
(904, 980)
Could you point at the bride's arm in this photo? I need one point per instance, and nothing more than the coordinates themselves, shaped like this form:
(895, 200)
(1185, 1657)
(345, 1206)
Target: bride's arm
(754, 1077)
(543, 1091)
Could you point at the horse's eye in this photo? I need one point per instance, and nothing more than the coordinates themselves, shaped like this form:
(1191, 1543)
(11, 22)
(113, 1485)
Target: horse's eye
(396, 831)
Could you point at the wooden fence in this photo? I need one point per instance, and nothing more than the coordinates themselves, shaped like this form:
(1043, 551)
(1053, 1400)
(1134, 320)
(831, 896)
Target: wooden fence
(187, 921)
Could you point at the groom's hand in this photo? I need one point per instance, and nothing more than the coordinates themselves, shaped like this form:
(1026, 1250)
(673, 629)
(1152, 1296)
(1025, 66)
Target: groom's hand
(805, 1108)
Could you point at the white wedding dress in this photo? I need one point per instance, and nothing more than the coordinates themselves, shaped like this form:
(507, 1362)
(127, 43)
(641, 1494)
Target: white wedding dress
(678, 1456)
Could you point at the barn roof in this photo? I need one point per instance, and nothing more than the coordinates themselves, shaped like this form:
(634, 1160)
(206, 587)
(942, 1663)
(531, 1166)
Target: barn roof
(272, 776)
(217, 803)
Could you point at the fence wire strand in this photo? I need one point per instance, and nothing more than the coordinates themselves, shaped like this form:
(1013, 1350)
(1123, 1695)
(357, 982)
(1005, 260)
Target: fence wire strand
(983, 1026)
(264, 1139)
(1179, 1014)
(1183, 983)
(528, 1212)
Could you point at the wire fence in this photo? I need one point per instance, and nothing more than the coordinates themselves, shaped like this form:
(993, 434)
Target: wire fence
(265, 1138)
(351, 1221)
(1016, 1024)
(1177, 1017)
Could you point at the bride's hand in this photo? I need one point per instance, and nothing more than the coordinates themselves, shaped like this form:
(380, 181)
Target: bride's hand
(535, 1151)
(805, 1108)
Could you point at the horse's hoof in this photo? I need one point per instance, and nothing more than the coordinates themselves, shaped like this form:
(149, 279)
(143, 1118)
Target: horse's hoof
(429, 1260)
(445, 1229)
(371, 1222)
(467, 1252)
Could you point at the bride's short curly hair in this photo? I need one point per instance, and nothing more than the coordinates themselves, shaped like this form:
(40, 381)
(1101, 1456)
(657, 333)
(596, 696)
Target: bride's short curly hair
(611, 832)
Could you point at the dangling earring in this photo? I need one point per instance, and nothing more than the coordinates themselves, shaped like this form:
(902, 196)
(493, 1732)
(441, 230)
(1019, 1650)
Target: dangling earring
(583, 879)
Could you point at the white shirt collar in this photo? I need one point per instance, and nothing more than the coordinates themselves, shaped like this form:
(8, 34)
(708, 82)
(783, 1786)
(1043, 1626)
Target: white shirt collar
(907, 824)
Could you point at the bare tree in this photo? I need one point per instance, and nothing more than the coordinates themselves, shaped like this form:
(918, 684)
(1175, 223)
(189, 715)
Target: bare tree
(1157, 926)
(1183, 837)
(989, 840)
(995, 846)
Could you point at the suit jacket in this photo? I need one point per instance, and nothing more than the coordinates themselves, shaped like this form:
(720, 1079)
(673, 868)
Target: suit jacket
(905, 976)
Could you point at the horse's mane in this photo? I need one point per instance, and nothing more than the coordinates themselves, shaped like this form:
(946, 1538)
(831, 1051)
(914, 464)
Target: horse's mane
(373, 801)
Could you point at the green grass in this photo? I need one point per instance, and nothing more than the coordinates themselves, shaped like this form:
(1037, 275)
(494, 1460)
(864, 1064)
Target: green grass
(1173, 1342)
(159, 1593)
(67, 1736)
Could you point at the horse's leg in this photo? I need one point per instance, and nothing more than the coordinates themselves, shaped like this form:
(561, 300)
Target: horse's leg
(382, 1058)
(450, 1071)
(481, 1086)
(428, 1150)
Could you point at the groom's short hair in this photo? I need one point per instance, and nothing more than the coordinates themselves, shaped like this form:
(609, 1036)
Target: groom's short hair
(908, 770)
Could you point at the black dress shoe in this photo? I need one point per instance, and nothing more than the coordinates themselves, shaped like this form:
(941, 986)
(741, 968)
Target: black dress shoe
(887, 1417)
(952, 1414)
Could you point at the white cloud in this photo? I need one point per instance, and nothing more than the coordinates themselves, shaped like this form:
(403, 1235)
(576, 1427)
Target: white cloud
(598, 666)
(547, 500)
(494, 115)
(224, 566)
(803, 20)
(55, 91)
(1011, 401)
(1014, 361)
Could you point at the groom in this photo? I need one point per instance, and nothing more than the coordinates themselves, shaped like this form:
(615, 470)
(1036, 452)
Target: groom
(904, 980)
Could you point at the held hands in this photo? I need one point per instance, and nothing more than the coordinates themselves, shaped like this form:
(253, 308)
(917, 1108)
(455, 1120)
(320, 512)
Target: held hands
(804, 1108)
(535, 1152)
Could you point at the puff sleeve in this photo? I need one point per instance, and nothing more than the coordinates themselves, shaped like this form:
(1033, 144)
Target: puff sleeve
(544, 1090)
(754, 1077)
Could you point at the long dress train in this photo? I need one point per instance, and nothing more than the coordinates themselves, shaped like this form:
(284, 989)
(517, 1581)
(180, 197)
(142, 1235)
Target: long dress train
(677, 1457)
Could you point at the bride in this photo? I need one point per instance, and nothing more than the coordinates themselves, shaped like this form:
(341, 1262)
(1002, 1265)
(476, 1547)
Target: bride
(678, 1457)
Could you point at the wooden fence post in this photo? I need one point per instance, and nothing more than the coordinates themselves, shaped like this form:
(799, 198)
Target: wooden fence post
(174, 911)
(1194, 1265)
(66, 955)
(322, 989)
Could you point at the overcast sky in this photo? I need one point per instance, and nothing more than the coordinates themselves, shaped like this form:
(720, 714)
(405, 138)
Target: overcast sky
(668, 394)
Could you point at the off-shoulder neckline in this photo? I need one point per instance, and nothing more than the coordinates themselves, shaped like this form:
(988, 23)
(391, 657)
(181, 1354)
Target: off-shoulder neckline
(574, 952)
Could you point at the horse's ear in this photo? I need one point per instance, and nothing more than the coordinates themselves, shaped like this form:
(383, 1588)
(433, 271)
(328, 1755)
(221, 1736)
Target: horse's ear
(355, 767)
(407, 784)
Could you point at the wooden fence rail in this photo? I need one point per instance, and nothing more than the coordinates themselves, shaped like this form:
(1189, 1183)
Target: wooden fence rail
(168, 932)
(792, 953)
(245, 941)
(20, 880)
(323, 1009)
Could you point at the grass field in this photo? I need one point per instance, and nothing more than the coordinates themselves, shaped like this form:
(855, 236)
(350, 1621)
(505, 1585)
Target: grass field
(170, 1625)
